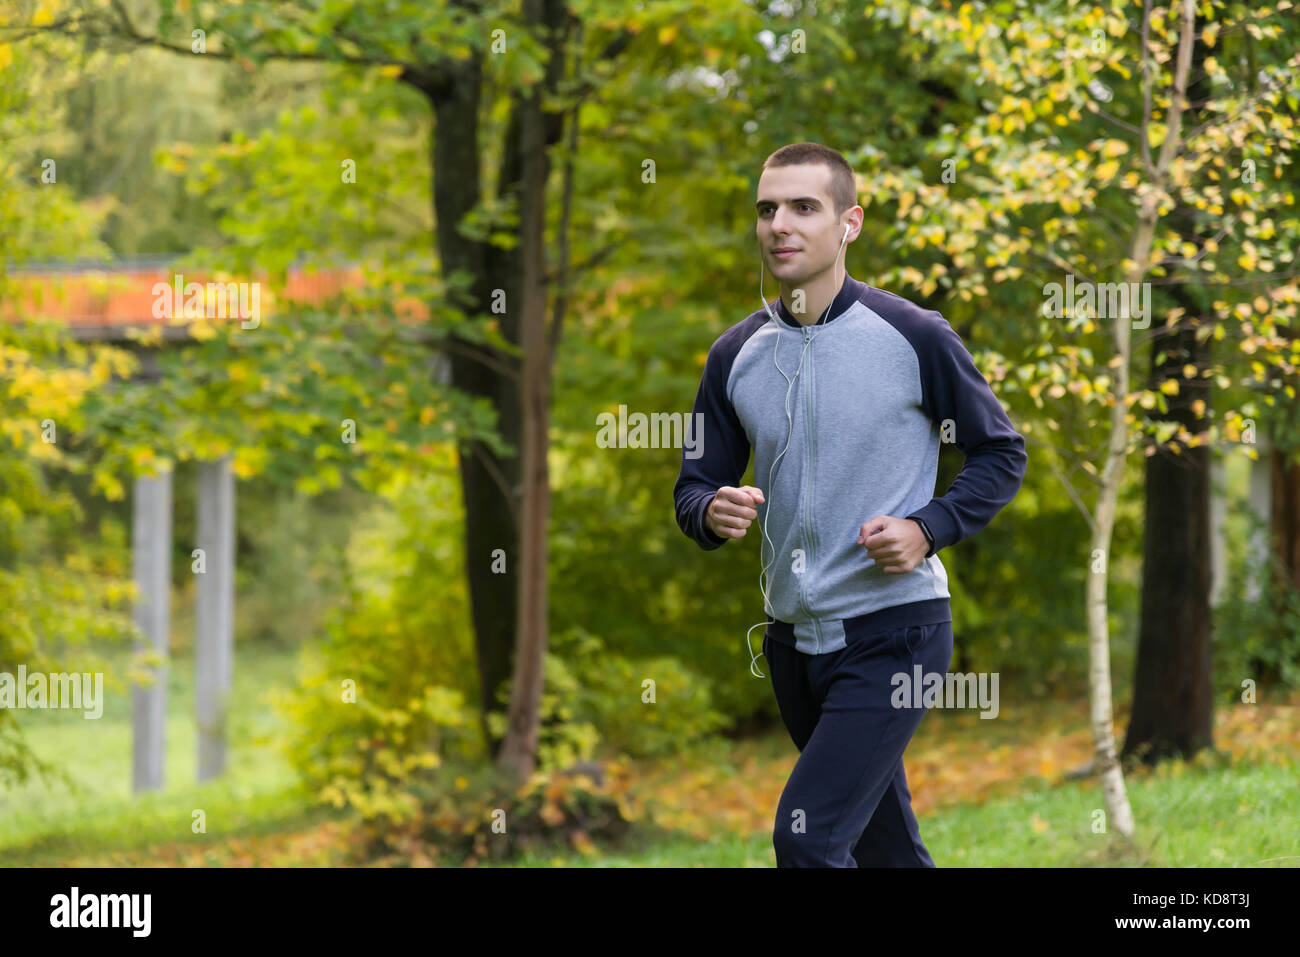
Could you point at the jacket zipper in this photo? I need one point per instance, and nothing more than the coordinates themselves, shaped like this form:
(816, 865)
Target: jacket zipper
(808, 526)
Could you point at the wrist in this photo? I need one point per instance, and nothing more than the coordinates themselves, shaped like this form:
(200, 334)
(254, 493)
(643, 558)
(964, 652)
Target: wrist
(929, 537)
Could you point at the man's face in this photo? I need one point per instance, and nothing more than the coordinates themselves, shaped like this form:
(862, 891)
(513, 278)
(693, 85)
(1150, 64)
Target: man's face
(795, 211)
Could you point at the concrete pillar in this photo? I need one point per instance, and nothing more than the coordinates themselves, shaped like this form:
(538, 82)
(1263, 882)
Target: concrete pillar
(1218, 526)
(151, 544)
(1261, 507)
(214, 627)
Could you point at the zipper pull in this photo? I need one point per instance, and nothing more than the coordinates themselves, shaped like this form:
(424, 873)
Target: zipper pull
(806, 333)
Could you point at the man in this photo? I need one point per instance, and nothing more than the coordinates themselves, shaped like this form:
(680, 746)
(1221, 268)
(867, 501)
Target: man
(844, 392)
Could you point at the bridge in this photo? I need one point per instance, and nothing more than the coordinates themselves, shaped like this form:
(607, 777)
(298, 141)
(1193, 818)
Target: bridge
(114, 303)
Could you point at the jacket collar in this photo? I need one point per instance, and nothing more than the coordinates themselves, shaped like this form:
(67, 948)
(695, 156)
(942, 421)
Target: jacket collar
(849, 292)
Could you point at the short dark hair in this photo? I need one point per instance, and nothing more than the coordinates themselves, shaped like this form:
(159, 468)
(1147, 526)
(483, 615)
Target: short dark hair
(843, 185)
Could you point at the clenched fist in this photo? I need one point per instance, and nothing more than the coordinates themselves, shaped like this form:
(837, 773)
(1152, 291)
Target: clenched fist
(897, 545)
(732, 509)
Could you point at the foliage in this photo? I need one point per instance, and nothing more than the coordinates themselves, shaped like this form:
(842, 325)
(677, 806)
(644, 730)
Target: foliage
(402, 636)
(60, 596)
(591, 696)
(1043, 178)
(1042, 186)
(1256, 637)
(468, 817)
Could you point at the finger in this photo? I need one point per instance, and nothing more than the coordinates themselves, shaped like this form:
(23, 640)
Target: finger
(728, 529)
(731, 521)
(738, 503)
(737, 511)
(871, 527)
(727, 500)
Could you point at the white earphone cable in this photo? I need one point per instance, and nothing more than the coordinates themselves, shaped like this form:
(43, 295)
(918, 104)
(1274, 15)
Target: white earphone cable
(763, 536)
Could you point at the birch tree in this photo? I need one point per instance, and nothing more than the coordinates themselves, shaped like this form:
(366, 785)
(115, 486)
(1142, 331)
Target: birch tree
(1074, 170)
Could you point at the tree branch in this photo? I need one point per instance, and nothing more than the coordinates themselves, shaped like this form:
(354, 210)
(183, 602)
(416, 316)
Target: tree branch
(1065, 483)
(123, 29)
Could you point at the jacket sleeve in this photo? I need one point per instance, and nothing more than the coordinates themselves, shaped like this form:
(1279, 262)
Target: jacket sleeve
(718, 455)
(955, 392)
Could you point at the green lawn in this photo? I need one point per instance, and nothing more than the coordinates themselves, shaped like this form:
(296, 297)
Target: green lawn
(1193, 818)
(42, 822)
(1197, 815)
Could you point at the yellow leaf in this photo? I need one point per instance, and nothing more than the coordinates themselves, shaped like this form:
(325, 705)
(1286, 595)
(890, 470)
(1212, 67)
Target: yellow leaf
(392, 71)
(583, 843)
(202, 330)
(1107, 169)
(668, 34)
(1169, 387)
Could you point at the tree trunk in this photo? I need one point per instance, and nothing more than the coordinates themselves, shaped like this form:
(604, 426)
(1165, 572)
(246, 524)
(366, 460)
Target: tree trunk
(489, 483)
(518, 754)
(492, 486)
(1118, 810)
(1172, 685)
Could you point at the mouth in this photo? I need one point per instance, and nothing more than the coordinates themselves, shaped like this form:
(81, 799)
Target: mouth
(783, 252)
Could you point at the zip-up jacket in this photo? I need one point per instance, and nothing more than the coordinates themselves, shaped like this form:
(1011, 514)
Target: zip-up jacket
(882, 381)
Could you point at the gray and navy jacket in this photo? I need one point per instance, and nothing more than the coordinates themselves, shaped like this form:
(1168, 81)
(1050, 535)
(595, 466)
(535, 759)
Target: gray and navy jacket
(881, 380)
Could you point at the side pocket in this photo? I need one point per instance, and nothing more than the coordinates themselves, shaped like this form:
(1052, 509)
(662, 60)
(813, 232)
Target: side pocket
(908, 640)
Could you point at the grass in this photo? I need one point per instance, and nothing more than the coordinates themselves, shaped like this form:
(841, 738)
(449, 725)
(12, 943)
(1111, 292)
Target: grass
(1212, 817)
(44, 823)
(986, 793)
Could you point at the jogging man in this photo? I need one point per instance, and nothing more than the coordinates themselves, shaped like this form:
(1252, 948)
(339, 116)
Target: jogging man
(844, 392)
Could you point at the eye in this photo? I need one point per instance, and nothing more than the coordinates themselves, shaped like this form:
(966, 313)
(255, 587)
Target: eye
(809, 205)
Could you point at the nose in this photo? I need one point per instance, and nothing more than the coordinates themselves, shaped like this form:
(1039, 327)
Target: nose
(778, 225)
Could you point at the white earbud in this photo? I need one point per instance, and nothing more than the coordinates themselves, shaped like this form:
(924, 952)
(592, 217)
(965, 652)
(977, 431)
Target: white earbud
(847, 227)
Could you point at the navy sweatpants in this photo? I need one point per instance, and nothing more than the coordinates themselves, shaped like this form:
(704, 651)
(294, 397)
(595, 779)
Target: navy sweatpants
(846, 803)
